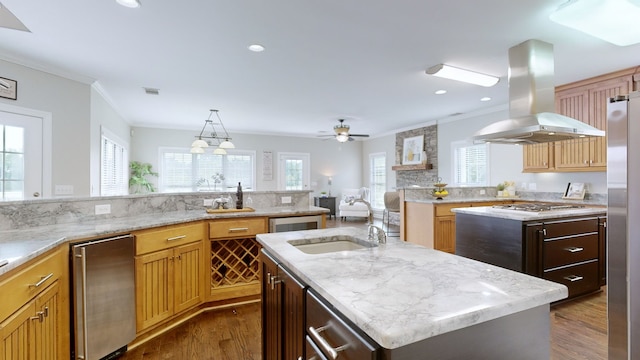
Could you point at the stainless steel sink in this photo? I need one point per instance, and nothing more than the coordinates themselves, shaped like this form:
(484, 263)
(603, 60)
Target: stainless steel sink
(333, 244)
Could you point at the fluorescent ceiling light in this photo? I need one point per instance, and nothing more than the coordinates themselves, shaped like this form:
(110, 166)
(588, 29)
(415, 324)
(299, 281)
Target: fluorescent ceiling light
(129, 3)
(614, 21)
(468, 76)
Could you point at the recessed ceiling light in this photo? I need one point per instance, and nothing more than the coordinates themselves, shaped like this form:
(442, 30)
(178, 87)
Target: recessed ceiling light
(256, 48)
(129, 3)
(486, 98)
(440, 92)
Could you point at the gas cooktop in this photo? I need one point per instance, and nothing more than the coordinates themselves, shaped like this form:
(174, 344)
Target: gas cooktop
(537, 207)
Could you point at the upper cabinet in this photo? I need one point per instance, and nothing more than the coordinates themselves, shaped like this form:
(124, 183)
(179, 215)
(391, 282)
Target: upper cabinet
(585, 101)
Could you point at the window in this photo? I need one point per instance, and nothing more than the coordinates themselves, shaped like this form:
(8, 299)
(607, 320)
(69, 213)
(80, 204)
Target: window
(182, 171)
(114, 169)
(377, 179)
(470, 164)
(12, 160)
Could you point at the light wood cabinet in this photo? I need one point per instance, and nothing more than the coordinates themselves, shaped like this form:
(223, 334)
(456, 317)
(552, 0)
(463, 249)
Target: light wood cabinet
(586, 101)
(38, 327)
(170, 279)
(234, 257)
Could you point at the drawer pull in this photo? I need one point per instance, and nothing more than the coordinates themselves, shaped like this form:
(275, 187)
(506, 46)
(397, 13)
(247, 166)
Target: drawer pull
(315, 334)
(39, 316)
(176, 237)
(574, 249)
(573, 278)
(238, 229)
(42, 281)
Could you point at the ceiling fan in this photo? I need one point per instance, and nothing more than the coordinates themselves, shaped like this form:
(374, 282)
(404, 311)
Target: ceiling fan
(342, 132)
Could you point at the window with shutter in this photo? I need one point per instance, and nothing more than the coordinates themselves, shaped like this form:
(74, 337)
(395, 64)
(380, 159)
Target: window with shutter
(114, 168)
(470, 164)
(377, 179)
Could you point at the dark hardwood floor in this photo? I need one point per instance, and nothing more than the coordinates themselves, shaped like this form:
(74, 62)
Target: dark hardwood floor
(578, 330)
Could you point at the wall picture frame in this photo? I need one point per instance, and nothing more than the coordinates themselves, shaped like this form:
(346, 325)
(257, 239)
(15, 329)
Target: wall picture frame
(575, 191)
(8, 89)
(412, 148)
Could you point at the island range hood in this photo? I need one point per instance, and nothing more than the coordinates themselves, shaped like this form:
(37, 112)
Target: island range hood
(532, 102)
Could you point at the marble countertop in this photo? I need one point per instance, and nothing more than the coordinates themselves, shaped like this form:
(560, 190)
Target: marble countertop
(448, 200)
(400, 293)
(19, 246)
(527, 215)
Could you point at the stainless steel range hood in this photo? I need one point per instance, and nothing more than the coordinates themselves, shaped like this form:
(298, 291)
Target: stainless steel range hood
(532, 102)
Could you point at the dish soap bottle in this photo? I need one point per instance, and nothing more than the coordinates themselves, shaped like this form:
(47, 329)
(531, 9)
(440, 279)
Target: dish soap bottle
(239, 197)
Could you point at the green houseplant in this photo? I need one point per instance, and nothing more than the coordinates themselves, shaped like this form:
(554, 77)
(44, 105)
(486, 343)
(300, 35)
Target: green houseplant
(138, 182)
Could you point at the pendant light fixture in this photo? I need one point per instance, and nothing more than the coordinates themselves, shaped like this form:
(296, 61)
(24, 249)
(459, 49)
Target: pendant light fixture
(219, 138)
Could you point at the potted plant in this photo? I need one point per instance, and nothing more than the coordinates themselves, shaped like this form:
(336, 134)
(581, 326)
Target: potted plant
(500, 188)
(138, 181)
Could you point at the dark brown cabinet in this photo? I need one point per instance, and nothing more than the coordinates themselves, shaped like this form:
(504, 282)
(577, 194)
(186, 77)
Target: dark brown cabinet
(327, 203)
(283, 311)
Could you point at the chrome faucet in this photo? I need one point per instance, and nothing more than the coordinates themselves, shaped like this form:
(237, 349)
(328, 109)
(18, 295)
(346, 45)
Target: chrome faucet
(370, 219)
(376, 233)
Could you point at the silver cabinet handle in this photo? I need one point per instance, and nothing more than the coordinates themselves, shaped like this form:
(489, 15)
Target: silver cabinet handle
(574, 249)
(315, 334)
(176, 237)
(39, 316)
(238, 229)
(274, 281)
(42, 281)
(573, 278)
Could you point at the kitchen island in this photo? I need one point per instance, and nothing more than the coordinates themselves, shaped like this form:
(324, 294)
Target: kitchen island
(564, 243)
(414, 302)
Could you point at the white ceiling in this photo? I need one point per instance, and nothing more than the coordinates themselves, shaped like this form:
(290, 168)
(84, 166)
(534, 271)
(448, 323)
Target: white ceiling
(362, 60)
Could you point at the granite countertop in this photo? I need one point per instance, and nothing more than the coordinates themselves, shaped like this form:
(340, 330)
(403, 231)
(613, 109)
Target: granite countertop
(400, 293)
(529, 216)
(19, 246)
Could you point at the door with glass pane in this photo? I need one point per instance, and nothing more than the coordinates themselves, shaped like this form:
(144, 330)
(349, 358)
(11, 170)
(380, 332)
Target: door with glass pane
(20, 156)
(293, 171)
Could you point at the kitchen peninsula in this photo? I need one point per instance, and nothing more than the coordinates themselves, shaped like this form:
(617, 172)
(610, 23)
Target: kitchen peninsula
(409, 301)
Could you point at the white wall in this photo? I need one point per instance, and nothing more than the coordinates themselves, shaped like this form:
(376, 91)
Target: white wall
(341, 161)
(69, 103)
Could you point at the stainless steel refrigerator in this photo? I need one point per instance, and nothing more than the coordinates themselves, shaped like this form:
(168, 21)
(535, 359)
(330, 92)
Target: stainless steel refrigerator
(104, 308)
(623, 230)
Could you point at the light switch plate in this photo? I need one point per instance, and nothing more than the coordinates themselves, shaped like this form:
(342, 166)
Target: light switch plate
(286, 199)
(208, 202)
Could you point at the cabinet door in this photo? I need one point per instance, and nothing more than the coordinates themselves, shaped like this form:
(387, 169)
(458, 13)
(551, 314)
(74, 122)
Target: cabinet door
(189, 276)
(445, 234)
(47, 327)
(17, 339)
(602, 240)
(271, 309)
(293, 323)
(572, 154)
(154, 294)
(537, 157)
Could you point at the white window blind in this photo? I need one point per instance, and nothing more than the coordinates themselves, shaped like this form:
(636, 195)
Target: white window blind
(182, 171)
(377, 179)
(470, 164)
(114, 170)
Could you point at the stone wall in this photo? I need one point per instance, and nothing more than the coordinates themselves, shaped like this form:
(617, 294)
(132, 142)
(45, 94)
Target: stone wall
(406, 178)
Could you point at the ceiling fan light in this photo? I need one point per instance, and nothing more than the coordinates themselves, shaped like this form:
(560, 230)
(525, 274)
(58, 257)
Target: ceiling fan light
(219, 151)
(226, 144)
(342, 137)
(129, 3)
(197, 150)
(199, 143)
(601, 19)
(468, 76)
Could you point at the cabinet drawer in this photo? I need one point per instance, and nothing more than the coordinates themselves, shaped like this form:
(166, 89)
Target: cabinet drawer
(29, 282)
(230, 228)
(325, 326)
(167, 237)
(570, 250)
(581, 278)
(571, 227)
(445, 209)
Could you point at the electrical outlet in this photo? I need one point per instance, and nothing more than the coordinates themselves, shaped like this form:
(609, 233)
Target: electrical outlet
(208, 202)
(286, 199)
(103, 209)
(483, 192)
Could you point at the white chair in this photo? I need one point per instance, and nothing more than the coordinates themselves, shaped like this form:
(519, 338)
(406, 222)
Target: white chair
(356, 209)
